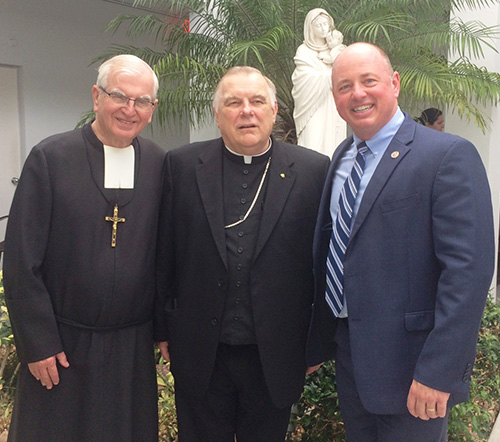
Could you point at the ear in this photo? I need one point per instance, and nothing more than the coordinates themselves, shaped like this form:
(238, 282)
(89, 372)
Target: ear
(216, 117)
(153, 111)
(95, 97)
(396, 83)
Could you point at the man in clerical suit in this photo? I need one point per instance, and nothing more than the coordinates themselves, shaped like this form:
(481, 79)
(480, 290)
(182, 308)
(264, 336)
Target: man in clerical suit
(235, 266)
(79, 271)
(416, 266)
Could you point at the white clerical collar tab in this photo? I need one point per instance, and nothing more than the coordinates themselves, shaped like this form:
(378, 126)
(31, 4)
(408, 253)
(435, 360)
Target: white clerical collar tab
(248, 158)
(119, 166)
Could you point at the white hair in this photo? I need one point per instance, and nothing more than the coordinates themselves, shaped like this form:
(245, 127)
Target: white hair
(247, 70)
(127, 64)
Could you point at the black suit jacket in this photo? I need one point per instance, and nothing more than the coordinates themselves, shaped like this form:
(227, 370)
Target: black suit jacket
(417, 269)
(193, 270)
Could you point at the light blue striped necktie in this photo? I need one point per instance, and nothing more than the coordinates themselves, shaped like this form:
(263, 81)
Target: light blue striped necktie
(341, 232)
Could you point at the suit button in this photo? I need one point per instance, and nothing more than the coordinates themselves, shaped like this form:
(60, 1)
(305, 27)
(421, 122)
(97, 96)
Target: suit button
(467, 373)
(220, 283)
(214, 321)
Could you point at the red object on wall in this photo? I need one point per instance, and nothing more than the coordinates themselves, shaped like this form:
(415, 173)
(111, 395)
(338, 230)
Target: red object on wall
(187, 26)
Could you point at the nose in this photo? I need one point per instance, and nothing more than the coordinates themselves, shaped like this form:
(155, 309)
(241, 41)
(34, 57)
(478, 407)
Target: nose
(246, 108)
(130, 106)
(358, 91)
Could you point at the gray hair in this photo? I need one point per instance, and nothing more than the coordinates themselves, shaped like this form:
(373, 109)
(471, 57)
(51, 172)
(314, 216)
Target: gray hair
(247, 70)
(127, 64)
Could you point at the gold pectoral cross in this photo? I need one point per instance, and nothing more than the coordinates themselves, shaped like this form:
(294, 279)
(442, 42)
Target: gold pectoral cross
(115, 220)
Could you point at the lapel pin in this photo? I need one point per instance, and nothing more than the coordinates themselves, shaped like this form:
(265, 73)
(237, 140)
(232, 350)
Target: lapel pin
(282, 175)
(394, 154)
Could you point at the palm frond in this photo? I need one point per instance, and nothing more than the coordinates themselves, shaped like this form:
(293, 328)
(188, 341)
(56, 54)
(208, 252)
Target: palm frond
(470, 38)
(418, 35)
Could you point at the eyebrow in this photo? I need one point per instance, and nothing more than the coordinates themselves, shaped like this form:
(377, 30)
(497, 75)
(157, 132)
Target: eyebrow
(231, 97)
(145, 97)
(237, 98)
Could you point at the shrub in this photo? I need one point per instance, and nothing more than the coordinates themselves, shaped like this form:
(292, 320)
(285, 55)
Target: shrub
(317, 417)
(166, 403)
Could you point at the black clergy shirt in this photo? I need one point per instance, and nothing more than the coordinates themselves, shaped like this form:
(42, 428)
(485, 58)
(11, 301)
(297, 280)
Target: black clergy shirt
(241, 182)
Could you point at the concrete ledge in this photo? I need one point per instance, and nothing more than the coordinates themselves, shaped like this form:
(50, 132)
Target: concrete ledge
(495, 433)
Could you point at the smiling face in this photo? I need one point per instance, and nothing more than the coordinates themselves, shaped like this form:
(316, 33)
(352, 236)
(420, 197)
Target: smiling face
(245, 113)
(365, 89)
(116, 124)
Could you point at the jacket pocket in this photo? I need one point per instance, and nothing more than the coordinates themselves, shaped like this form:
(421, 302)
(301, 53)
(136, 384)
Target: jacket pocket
(400, 203)
(419, 321)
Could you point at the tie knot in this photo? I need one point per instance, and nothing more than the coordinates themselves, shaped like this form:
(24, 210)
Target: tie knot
(362, 147)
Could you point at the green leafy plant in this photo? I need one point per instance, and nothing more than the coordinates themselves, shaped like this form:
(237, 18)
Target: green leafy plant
(317, 415)
(6, 336)
(167, 417)
(417, 35)
(8, 360)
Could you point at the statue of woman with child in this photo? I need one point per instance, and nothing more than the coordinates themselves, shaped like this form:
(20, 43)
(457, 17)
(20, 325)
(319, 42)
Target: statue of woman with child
(317, 121)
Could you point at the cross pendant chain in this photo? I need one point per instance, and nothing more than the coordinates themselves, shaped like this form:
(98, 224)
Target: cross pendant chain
(115, 220)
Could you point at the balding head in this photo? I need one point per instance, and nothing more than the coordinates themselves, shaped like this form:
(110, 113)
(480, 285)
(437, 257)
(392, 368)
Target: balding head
(365, 88)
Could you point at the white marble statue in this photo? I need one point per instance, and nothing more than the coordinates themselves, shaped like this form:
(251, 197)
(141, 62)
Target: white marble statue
(317, 121)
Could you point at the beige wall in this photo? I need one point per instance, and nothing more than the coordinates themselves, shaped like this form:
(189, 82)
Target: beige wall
(488, 143)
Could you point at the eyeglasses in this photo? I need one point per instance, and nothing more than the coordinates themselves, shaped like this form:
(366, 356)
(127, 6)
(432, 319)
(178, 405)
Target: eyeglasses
(122, 100)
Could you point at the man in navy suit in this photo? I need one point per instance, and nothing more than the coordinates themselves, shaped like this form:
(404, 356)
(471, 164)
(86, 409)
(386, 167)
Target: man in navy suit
(417, 267)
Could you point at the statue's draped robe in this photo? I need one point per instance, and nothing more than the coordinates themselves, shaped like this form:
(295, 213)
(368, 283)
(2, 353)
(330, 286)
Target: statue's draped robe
(68, 290)
(317, 121)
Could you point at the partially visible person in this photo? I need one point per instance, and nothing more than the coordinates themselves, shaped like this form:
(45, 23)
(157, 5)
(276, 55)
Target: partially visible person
(403, 260)
(432, 118)
(317, 122)
(235, 266)
(79, 271)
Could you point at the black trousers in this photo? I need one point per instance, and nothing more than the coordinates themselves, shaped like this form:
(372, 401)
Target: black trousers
(363, 426)
(237, 403)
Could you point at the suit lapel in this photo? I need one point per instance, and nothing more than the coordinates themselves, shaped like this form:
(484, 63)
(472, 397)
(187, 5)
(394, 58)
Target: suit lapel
(281, 179)
(394, 154)
(209, 178)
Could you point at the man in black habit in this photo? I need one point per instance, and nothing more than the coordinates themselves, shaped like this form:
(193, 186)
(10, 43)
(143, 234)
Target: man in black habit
(79, 271)
(235, 266)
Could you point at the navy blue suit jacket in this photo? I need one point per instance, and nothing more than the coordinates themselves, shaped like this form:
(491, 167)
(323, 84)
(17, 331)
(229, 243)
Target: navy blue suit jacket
(417, 269)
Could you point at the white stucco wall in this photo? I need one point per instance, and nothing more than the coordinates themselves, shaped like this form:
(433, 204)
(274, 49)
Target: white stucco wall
(488, 144)
(53, 42)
